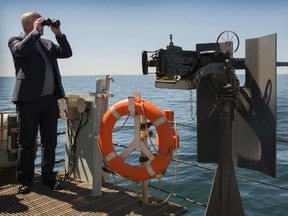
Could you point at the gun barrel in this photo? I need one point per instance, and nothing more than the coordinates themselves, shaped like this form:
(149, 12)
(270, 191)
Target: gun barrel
(239, 63)
(282, 64)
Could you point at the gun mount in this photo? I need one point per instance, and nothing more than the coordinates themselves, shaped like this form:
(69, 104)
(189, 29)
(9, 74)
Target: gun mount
(243, 130)
(211, 70)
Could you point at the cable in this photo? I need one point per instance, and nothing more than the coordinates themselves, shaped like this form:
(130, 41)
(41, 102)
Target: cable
(184, 198)
(72, 158)
(212, 170)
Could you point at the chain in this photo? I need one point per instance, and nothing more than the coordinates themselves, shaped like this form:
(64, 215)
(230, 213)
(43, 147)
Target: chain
(193, 109)
(236, 140)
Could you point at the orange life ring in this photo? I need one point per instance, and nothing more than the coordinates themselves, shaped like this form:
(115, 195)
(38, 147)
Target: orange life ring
(160, 161)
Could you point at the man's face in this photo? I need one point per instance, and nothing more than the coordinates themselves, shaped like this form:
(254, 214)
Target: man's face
(30, 25)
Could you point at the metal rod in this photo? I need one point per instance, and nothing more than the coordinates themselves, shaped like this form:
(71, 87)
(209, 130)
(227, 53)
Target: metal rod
(282, 64)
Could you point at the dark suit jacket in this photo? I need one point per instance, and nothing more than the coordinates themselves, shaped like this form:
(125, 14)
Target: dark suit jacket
(30, 65)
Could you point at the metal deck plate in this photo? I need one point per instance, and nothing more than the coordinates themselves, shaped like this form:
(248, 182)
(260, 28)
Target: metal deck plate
(76, 199)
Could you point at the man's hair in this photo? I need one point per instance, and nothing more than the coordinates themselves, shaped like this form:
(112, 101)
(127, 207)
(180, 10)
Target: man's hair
(28, 17)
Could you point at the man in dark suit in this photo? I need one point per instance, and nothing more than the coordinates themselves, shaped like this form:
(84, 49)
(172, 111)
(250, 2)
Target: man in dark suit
(38, 86)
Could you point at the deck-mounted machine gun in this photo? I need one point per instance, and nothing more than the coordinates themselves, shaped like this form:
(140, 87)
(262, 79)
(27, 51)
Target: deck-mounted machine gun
(243, 130)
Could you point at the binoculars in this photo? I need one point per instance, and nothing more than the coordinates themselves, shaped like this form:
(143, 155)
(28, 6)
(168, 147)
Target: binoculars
(49, 22)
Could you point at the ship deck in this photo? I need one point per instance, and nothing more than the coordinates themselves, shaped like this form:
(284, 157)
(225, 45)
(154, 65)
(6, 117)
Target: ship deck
(76, 199)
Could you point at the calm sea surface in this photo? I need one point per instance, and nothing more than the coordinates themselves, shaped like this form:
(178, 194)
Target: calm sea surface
(192, 182)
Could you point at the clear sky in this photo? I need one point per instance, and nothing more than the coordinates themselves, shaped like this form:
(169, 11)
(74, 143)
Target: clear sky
(108, 36)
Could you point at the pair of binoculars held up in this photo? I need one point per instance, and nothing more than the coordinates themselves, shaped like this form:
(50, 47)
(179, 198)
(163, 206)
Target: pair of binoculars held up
(49, 22)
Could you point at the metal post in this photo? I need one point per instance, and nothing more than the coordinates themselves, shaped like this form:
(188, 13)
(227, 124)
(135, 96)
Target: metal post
(144, 182)
(138, 120)
(101, 101)
(225, 198)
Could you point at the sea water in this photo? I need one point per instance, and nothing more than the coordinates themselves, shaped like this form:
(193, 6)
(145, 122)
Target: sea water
(193, 180)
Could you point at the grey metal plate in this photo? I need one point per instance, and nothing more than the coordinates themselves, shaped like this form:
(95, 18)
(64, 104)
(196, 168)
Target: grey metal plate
(254, 127)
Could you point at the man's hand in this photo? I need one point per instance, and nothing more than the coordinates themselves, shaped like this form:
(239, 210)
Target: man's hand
(56, 30)
(38, 26)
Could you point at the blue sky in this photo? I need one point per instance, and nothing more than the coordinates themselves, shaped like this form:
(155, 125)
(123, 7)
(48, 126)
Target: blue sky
(108, 36)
